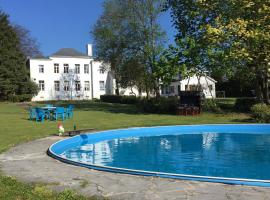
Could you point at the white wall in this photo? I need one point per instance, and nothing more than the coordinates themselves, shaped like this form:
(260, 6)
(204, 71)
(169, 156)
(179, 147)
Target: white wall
(49, 77)
(204, 81)
(131, 91)
(97, 77)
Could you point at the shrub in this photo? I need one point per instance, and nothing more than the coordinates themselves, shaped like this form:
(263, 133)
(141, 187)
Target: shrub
(161, 105)
(20, 98)
(244, 104)
(261, 112)
(119, 99)
(210, 105)
(130, 99)
(110, 98)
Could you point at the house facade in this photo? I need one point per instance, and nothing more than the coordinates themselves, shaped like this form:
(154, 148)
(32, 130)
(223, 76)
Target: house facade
(70, 75)
(205, 84)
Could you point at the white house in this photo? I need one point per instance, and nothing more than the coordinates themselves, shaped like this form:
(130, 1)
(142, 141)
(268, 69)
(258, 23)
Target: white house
(194, 83)
(69, 74)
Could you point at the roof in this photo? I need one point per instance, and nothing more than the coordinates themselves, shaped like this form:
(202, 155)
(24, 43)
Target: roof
(68, 52)
(39, 57)
(208, 77)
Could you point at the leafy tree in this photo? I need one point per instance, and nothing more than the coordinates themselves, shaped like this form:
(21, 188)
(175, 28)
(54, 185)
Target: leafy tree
(231, 38)
(109, 37)
(14, 75)
(244, 29)
(128, 37)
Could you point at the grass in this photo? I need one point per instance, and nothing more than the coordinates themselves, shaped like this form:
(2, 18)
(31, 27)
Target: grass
(15, 128)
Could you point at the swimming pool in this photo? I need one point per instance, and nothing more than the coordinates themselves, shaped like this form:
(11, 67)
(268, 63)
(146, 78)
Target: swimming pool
(233, 154)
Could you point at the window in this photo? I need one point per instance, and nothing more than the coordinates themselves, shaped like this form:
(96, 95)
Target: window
(171, 89)
(66, 68)
(66, 85)
(86, 86)
(56, 68)
(77, 68)
(210, 87)
(101, 85)
(167, 90)
(193, 88)
(77, 85)
(56, 85)
(101, 70)
(86, 69)
(41, 85)
(41, 68)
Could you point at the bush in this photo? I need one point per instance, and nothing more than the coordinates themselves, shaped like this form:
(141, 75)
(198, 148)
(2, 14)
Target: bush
(130, 99)
(161, 105)
(110, 98)
(244, 104)
(210, 105)
(261, 112)
(119, 99)
(20, 98)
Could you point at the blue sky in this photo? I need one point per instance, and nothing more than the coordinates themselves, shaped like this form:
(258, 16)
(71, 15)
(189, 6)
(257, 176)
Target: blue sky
(63, 23)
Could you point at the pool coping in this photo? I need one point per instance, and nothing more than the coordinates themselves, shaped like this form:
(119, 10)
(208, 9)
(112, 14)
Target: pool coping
(225, 180)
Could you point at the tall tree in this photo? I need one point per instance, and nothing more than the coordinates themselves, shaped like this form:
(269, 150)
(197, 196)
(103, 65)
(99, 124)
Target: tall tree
(28, 45)
(231, 37)
(128, 33)
(14, 75)
(109, 37)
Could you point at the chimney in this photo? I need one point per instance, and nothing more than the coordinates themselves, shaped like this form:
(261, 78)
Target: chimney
(89, 50)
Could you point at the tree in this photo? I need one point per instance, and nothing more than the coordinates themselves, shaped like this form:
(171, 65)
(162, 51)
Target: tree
(108, 37)
(244, 29)
(28, 45)
(231, 37)
(127, 36)
(14, 75)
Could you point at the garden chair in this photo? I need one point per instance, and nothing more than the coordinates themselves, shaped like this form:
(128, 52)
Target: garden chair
(32, 113)
(59, 112)
(69, 111)
(40, 115)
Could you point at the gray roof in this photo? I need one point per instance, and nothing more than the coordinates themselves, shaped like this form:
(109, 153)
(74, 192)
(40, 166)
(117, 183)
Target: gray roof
(68, 52)
(39, 57)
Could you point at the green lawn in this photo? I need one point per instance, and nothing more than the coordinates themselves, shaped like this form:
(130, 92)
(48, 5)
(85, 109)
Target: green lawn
(16, 128)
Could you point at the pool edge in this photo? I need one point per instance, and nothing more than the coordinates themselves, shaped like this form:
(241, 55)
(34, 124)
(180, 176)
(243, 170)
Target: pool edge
(223, 180)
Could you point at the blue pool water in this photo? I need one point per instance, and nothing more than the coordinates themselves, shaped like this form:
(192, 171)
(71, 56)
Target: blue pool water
(228, 153)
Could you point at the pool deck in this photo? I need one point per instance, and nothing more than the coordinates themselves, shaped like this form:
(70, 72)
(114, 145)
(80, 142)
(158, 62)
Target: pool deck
(29, 163)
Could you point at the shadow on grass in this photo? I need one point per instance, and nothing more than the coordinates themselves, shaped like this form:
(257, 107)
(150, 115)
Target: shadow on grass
(97, 106)
(247, 120)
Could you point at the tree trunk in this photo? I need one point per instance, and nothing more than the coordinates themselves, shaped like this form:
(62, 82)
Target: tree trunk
(266, 90)
(258, 91)
(157, 90)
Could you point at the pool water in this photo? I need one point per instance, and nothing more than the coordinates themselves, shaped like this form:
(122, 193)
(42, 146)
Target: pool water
(233, 155)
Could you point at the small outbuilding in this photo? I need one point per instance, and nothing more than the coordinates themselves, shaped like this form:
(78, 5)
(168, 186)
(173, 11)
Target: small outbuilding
(205, 84)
